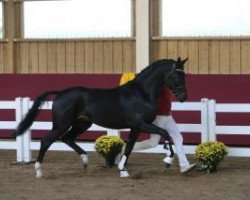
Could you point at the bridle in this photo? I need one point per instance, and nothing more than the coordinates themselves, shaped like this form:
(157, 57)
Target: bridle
(178, 88)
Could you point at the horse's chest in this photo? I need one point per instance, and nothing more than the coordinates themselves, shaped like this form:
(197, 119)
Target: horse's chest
(149, 116)
(146, 112)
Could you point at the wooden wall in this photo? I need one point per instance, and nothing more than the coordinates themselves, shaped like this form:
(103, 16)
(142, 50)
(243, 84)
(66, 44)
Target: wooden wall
(3, 56)
(118, 55)
(207, 56)
(72, 56)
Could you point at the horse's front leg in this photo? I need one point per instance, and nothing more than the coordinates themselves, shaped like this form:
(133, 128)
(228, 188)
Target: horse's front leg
(151, 128)
(128, 149)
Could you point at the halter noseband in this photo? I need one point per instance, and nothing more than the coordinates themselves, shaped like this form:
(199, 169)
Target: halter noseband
(180, 70)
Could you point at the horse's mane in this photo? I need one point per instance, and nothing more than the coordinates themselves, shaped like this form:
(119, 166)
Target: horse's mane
(152, 67)
(156, 65)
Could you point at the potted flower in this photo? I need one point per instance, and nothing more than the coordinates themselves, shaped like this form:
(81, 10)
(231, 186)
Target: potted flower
(109, 147)
(209, 154)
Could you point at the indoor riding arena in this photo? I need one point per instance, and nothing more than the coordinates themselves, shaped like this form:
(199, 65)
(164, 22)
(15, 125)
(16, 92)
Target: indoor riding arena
(53, 45)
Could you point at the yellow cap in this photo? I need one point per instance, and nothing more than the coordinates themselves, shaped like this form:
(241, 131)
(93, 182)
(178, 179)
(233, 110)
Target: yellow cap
(127, 77)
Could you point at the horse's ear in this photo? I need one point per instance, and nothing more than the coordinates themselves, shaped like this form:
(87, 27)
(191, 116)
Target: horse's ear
(183, 61)
(179, 59)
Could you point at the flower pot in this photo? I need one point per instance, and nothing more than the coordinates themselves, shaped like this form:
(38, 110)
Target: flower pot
(110, 160)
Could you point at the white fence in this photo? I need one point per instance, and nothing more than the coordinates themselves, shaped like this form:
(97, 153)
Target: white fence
(216, 129)
(207, 128)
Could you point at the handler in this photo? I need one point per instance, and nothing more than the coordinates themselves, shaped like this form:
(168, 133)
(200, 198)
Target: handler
(165, 121)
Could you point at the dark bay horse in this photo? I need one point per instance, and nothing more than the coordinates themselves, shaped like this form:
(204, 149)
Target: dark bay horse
(131, 106)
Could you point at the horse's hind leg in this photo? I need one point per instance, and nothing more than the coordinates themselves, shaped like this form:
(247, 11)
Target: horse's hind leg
(46, 142)
(69, 138)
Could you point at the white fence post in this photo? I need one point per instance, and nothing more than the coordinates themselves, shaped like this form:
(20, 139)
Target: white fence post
(19, 139)
(113, 132)
(204, 120)
(27, 134)
(212, 120)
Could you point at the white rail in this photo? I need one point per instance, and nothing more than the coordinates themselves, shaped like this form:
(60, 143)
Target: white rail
(208, 127)
(215, 129)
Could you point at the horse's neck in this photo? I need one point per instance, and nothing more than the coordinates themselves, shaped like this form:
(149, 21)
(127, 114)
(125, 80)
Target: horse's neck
(151, 87)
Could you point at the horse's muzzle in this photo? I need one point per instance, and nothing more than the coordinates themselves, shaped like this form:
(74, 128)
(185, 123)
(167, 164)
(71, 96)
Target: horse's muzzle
(181, 95)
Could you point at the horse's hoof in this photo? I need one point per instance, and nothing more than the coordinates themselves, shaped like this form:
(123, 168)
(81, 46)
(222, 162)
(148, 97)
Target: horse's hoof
(39, 176)
(85, 165)
(38, 170)
(84, 160)
(167, 165)
(168, 161)
(124, 174)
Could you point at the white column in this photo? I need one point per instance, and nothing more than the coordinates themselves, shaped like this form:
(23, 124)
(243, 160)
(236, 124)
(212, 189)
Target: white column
(204, 120)
(212, 120)
(113, 132)
(142, 34)
(19, 139)
(27, 135)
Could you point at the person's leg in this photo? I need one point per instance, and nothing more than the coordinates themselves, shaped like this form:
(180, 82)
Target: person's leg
(177, 138)
(146, 144)
(153, 140)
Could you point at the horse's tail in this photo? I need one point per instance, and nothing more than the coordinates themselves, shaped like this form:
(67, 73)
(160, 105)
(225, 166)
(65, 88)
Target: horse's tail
(32, 113)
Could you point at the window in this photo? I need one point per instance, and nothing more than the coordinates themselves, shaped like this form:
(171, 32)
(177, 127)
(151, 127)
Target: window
(1, 20)
(77, 19)
(205, 18)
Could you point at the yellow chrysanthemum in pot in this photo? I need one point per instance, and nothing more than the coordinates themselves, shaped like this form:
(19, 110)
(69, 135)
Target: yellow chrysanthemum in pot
(109, 147)
(210, 154)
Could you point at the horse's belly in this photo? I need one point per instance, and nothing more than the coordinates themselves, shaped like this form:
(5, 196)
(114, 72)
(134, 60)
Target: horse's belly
(111, 124)
(110, 120)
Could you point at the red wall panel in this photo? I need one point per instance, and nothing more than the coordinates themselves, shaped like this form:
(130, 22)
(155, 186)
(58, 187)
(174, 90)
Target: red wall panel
(222, 88)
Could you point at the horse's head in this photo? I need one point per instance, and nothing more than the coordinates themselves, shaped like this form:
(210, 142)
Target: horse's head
(176, 80)
(164, 72)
